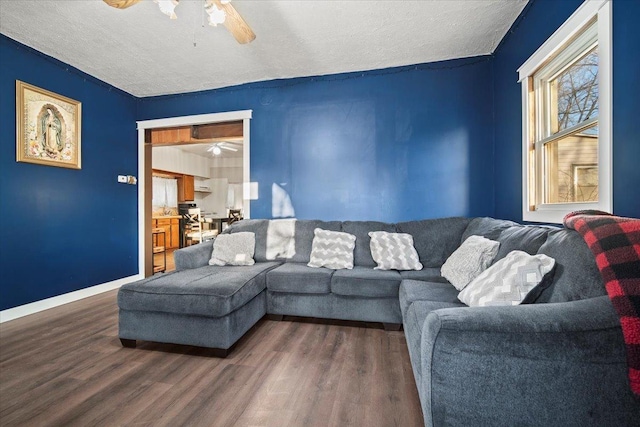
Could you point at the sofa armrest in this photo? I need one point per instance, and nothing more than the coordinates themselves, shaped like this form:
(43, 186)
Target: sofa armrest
(538, 364)
(193, 256)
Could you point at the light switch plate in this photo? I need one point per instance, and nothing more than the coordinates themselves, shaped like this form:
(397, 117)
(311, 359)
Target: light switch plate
(122, 179)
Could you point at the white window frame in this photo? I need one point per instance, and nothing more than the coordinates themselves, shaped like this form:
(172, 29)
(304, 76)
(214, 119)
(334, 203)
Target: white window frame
(577, 22)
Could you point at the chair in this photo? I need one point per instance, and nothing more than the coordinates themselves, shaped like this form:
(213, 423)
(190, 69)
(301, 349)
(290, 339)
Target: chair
(193, 228)
(234, 216)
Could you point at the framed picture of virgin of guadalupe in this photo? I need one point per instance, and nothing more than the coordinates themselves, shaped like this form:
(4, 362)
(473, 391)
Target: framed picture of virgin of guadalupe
(48, 127)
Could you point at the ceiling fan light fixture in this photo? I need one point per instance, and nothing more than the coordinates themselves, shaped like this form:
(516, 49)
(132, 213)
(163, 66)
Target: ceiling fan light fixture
(168, 7)
(216, 150)
(218, 11)
(216, 15)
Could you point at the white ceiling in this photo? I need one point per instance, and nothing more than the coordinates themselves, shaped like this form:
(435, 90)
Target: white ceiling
(202, 149)
(142, 52)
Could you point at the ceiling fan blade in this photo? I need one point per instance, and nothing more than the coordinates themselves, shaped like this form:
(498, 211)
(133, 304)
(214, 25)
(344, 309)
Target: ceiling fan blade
(224, 147)
(236, 25)
(121, 4)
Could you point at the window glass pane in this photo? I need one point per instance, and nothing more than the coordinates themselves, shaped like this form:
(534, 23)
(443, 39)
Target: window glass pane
(571, 167)
(576, 90)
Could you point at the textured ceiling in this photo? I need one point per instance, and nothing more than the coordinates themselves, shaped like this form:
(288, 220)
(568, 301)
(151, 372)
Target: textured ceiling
(202, 149)
(142, 52)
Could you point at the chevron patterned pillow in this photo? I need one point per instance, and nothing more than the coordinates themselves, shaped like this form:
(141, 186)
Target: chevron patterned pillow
(394, 251)
(332, 249)
(508, 281)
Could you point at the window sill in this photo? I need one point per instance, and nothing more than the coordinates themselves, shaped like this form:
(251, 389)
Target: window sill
(554, 214)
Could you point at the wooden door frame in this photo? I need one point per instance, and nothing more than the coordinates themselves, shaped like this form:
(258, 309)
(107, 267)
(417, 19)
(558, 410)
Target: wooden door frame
(145, 260)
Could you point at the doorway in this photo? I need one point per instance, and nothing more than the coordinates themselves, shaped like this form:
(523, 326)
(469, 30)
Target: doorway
(145, 128)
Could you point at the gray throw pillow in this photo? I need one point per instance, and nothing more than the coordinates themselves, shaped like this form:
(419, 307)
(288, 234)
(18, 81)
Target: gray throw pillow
(469, 260)
(234, 249)
(508, 281)
(394, 251)
(332, 249)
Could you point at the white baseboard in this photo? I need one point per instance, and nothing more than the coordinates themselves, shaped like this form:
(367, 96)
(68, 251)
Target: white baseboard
(45, 304)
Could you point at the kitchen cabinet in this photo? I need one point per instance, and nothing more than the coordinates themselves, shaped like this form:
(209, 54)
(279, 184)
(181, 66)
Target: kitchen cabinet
(202, 185)
(171, 227)
(175, 233)
(186, 188)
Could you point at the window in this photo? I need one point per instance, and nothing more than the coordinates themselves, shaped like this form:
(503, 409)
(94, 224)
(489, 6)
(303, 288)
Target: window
(164, 193)
(566, 96)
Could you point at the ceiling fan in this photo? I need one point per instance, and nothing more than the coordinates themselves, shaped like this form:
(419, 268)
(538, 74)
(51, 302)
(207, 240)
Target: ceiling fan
(218, 11)
(217, 148)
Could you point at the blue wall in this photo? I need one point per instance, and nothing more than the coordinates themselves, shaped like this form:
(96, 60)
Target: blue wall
(65, 229)
(398, 144)
(390, 145)
(539, 20)
(626, 106)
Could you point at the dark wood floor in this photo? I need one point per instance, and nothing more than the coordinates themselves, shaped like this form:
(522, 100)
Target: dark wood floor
(66, 367)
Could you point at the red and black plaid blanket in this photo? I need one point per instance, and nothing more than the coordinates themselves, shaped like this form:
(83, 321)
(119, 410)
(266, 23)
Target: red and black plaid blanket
(615, 242)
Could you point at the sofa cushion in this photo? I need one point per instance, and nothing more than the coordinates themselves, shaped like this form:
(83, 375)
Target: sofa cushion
(211, 291)
(394, 251)
(366, 282)
(435, 239)
(304, 237)
(259, 228)
(298, 278)
(427, 274)
(234, 249)
(469, 260)
(486, 227)
(526, 238)
(415, 290)
(576, 276)
(360, 229)
(508, 281)
(332, 249)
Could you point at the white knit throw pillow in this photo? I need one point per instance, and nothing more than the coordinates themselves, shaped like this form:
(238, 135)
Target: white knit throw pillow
(234, 249)
(469, 260)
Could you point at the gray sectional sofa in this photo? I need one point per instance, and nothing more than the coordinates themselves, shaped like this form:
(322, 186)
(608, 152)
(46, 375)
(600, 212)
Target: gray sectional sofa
(558, 361)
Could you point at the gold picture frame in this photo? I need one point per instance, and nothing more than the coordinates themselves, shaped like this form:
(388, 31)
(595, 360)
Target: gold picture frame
(47, 127)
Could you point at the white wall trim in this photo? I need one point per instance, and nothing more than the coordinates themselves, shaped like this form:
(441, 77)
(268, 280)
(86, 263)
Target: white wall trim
(244, 115)
(562, 35)
(575, 23)
(45, 304)
(196, 119)
(246, 175)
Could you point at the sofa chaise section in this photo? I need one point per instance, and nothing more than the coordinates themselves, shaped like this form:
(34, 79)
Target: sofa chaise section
(207, 306)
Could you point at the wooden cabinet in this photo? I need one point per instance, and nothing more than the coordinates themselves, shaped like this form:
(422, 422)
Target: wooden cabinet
(186, 188)
(171, 227)
(175, 233)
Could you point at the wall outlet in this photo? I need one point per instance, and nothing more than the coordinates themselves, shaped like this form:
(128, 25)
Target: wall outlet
(122, 179)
